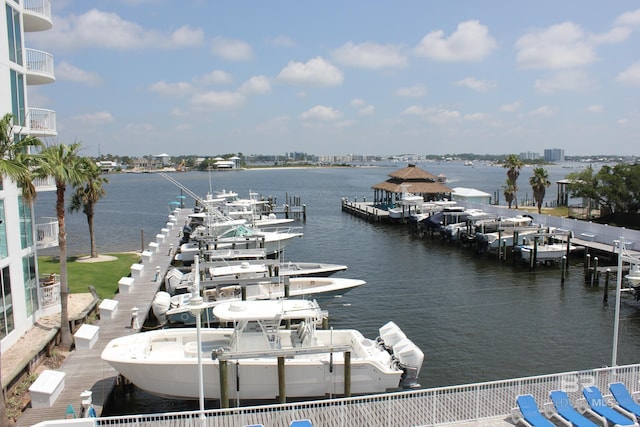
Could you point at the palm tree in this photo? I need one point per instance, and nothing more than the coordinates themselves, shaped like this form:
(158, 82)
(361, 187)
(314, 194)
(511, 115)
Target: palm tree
(509, 193)
(539, 182)
(62, 163)
(14, 164)
(15, 158)
(513, 164)
(86, 196)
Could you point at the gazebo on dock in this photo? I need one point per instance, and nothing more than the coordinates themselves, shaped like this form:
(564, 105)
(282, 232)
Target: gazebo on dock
(413, 180)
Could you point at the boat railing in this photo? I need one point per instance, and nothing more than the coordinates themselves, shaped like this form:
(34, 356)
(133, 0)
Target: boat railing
(50, 293)
(477, 402)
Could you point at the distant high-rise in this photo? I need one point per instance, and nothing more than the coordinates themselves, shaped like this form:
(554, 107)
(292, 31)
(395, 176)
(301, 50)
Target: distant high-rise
(554, 155)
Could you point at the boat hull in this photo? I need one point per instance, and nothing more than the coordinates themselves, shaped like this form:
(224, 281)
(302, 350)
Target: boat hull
(165, 363)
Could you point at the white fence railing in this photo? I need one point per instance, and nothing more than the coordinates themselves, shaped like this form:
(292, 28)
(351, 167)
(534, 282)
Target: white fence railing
(586, 230)
(42, 121)
(40, 62)
(39, 7)
(472, 402)
(47, 234)
(50, 294)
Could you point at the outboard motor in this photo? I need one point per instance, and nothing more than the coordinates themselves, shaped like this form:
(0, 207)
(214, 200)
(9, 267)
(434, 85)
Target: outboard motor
(410, 359)
(186, 234)
(390, 334)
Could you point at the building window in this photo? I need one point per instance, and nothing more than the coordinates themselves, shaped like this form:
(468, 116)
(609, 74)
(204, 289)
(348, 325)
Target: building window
(26, 224)
(6, 306)
(17, 98)
(4, 252)
(30, 283)
(14, 35)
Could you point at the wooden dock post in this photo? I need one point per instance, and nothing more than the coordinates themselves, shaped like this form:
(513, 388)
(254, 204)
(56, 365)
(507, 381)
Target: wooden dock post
(562, 274)
(594, 274)
(224, 384)
(605, 297)
(282, 382)
(347, 374)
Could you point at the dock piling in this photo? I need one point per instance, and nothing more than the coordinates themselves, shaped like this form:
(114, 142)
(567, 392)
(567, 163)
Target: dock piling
(605, 297)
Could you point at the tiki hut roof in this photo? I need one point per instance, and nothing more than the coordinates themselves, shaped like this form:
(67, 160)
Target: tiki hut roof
(414, 180)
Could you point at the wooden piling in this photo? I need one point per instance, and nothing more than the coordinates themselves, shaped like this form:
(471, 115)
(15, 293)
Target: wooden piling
(605, 297)
(594, 274)
(282, 382)
(224, 384)
(347, 374)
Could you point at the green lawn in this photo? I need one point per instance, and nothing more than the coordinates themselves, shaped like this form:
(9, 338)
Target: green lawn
(104, 276)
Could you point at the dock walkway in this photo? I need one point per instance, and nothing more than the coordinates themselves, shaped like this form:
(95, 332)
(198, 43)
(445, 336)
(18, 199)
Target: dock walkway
(84, 369)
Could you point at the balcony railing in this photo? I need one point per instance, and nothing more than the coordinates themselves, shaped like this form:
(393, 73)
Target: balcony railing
(37, 15)
(39, 67)
(50, 293)
(45, 184)
(42, 122)
(47, 234)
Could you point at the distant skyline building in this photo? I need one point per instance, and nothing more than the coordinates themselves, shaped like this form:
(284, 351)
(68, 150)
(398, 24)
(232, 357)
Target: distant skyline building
(554, 155)
(529, 155)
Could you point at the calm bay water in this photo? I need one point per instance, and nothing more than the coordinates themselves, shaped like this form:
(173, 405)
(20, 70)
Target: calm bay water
(475, 318)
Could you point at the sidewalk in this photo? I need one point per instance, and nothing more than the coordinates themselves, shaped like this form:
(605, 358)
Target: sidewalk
(23, 352)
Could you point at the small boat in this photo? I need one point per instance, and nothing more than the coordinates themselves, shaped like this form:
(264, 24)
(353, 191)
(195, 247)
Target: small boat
(164, 362)
(322, 289)
(544, 252)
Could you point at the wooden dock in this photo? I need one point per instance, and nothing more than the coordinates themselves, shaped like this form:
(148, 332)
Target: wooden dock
(84, 369)
(365, 210)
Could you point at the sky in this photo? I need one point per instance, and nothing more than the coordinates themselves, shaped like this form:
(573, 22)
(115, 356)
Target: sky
(199, 77)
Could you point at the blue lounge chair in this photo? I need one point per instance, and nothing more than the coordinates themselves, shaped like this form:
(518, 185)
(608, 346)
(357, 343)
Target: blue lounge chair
(624, 398)
(566, 410)
(530, 414)
(301, 423)
(599, 406)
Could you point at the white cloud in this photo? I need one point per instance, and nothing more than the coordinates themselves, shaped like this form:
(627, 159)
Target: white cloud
(436, 115)
(622, 122)
(594, 109)
(470, 42)
(315, 72)
(630, 76)
(559, 46)
(215, 77)
(615, 35)
(567, 81)
(94, 119)
(544, 111)
(256, 85)
(218, 100)
(370, 55)
(139, 128)
(321, 112)
(187, 36)
(96, 29)
(367, 110)
(357, 102)
(475, 84)
(231, 49)
(511, 108)
(629, 18)
(171, 89)
(476, 117)
(415, 91)
(66, 71)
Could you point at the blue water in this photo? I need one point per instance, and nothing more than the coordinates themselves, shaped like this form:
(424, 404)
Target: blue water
(475, 318)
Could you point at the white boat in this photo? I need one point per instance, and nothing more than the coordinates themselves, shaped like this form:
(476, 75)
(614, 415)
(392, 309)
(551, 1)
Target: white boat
(240, 236)
(177, 280)
(319, 288)
(545, 252)
(164, 362)
(409, 203)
